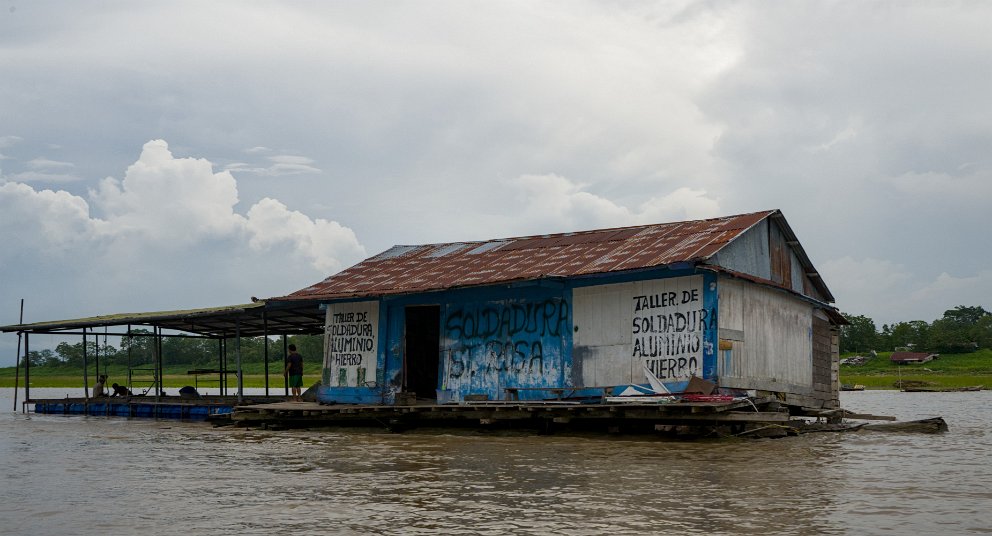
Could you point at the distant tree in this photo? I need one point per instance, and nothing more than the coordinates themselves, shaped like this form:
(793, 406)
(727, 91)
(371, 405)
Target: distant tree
(859, 335)
(960, 330)
(983, 332)
(913, 334)
(138, 349)
(883, 339)
(72, 354)
(43, 358)
(965, 315)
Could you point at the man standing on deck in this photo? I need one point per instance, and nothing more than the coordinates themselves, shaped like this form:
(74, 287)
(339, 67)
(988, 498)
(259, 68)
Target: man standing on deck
(294, 372)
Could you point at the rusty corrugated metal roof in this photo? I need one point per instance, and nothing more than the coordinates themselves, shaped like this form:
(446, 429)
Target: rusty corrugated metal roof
(411, 269)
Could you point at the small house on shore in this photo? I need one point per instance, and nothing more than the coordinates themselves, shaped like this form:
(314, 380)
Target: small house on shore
(905, 358)
(733, 301)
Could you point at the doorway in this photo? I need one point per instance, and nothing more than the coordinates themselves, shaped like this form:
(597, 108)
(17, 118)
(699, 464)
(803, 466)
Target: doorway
(423, 350)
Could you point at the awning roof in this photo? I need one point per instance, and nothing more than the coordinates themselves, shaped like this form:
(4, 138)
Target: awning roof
(254, 319)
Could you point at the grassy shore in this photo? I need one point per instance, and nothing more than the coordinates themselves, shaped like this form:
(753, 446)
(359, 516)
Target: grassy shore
(946, 372)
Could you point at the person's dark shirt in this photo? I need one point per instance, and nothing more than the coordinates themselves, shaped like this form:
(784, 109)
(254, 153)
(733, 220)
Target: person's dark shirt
(295, 361)
(120, 390)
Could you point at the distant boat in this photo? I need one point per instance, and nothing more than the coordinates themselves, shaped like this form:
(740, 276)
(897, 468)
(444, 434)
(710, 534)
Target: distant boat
(849, 387)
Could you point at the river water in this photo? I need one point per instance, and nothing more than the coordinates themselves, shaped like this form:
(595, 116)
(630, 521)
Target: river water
(112, 475)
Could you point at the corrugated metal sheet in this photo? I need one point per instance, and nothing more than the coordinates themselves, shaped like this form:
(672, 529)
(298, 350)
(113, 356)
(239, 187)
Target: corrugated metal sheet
(410, 269)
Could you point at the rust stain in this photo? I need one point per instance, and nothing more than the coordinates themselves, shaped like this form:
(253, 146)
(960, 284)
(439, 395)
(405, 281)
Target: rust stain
(410, 269)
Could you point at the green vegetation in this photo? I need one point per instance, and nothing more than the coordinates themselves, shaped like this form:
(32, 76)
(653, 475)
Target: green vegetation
(946, 372)
(962, 329)
(63, 367)
(174, 376)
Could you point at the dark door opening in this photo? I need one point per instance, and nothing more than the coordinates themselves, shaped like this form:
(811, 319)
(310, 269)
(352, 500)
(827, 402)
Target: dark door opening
(423, 350)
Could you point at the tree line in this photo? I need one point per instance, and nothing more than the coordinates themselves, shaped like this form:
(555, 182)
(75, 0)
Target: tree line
(961, 329)
(138, 350)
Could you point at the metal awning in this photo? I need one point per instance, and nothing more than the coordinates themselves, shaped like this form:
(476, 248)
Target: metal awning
(251, 319)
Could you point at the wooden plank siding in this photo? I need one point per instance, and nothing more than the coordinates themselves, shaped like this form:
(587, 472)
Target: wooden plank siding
(775, 342)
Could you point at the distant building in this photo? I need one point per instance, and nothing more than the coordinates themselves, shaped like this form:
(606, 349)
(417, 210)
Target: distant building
(733, 300)
(904, 358)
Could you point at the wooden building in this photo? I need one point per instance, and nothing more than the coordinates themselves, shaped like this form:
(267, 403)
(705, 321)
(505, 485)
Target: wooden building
(734, 301)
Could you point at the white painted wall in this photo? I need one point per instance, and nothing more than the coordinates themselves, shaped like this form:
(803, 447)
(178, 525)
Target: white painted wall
(351, 344)
(618, 325)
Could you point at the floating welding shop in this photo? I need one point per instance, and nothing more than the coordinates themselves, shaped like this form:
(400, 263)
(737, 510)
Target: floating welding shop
(733, 303)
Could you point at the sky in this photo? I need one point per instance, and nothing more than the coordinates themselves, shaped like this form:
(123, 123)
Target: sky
(174, 155)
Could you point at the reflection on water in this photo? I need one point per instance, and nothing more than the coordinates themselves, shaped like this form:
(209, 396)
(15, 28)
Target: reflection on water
(88, 475)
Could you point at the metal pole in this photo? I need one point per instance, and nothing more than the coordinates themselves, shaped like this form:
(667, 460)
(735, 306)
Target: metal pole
(86, 367)
(285, 361)
(155, 359)
(104, 351)
(158, 347)
(27, 371)
(265, 348)
(237, 355)
(220, 366)
(223, 368)
(130, 345)
(96, 351)
(17, 357)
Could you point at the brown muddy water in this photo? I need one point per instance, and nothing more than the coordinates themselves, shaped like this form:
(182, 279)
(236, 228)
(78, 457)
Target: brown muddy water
(111, 475)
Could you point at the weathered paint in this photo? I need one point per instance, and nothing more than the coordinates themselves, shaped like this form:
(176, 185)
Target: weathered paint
(589, 333)
(667, 325)
(406, 270)
(770, 333)
(748, 253)
(351, 344)
(521, 340)
(353, 364)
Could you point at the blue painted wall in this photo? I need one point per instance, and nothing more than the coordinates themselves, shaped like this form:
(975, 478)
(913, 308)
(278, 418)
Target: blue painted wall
(502, 336)
(518, 337)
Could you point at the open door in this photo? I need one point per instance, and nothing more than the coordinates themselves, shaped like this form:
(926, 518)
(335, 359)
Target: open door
(423, 349)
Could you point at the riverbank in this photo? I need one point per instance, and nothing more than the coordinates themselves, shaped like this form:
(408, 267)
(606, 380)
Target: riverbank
(950, 371)
(890, 381)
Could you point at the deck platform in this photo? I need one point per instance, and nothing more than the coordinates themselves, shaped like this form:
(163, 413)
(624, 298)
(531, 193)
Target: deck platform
(537, 415)
(751, 417)
(164, 407)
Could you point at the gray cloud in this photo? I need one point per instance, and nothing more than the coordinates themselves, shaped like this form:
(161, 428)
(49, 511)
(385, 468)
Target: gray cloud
(866, 123)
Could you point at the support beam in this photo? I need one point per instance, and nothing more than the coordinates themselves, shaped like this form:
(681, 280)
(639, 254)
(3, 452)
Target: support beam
(265, 349)
(27, 371)
(285, 354)
(237, 353)
(86, 369)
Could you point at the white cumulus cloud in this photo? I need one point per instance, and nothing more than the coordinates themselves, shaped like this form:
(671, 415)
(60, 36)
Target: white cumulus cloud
(167, 235)
(320, 241)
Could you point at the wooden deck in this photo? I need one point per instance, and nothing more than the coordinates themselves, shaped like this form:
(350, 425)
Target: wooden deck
(539, 415)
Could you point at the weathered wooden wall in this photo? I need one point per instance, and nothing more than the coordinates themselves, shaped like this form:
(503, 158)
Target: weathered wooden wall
(667, 325)
(767, 340)
(764, 252)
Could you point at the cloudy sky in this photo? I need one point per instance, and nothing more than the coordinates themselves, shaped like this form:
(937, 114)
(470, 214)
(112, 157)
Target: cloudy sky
(174, 155)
